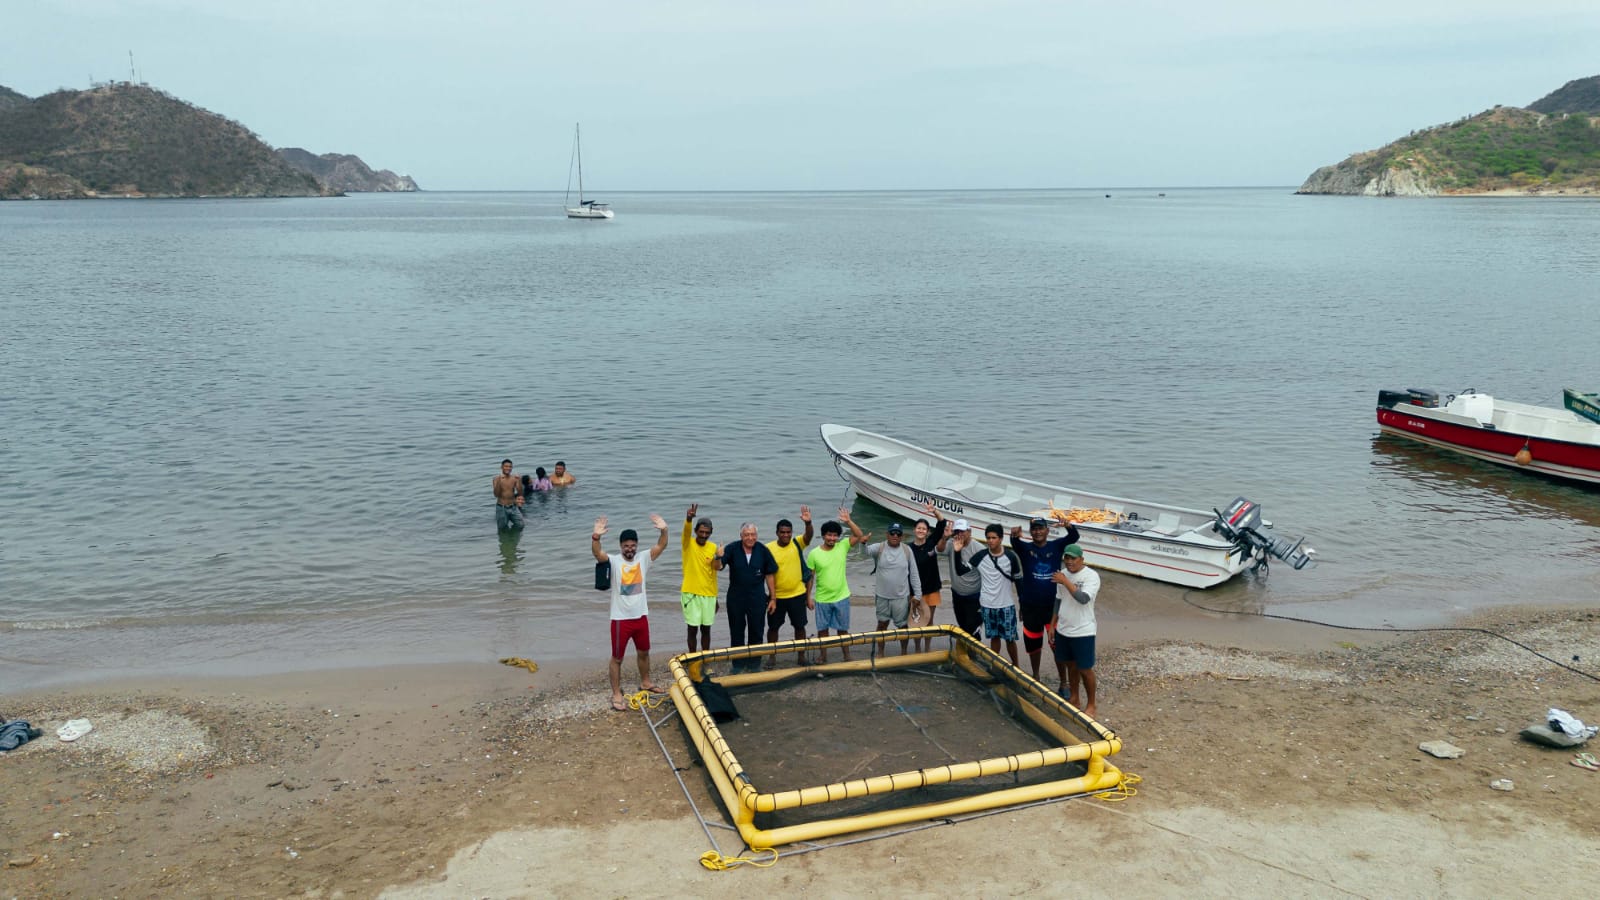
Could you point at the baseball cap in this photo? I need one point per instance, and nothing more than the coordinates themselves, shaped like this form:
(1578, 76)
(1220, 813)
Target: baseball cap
(1038, 523)
(959, 525)
(896, 529)
(1072, 550)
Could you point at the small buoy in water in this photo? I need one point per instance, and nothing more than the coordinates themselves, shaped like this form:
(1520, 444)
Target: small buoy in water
(1524, 456)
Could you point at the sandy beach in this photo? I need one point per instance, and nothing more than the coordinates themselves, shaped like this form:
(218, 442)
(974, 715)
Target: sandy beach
(1264, 771)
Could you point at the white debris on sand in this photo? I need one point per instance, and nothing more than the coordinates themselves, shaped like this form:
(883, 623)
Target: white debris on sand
(1441, 749)
(153, 741)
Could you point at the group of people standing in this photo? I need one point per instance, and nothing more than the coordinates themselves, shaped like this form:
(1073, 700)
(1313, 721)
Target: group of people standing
(511, 491)
(1041, 582)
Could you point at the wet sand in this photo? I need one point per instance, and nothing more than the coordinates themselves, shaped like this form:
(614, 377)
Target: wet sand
(1273, 761)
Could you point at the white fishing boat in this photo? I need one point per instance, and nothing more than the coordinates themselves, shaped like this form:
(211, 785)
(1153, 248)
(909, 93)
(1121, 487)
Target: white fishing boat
(586, 209)
(1190, 547)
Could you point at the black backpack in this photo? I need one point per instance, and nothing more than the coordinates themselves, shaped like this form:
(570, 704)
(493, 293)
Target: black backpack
(602, 575)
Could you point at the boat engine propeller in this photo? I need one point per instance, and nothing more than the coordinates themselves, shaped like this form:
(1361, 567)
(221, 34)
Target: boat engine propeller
(1251, 535)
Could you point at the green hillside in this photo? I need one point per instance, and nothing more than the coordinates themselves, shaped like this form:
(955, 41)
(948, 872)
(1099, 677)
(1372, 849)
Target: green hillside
(126, 139)
(1552, 147)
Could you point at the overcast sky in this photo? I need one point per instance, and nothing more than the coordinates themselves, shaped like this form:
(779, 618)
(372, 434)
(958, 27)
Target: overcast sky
(820, 94)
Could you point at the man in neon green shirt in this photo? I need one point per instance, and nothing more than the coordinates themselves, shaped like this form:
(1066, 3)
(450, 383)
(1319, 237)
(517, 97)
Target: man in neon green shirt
(830, 589)
(791, 591)
(702, 560)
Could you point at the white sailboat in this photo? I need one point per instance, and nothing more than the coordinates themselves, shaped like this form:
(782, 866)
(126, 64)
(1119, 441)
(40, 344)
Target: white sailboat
(586, 209)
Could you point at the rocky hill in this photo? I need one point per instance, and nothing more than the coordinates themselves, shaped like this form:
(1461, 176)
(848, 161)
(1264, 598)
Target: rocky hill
(1551, 147)
(131, 140)
(1580, 96)
(10, 99)
(341, 172)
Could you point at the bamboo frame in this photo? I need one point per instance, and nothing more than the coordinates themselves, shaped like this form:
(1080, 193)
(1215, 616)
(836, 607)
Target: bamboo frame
(1031, 698)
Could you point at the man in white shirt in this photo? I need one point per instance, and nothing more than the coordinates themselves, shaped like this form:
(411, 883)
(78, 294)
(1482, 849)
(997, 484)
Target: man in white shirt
(1072, 627)
(629, 605)
(999, 570)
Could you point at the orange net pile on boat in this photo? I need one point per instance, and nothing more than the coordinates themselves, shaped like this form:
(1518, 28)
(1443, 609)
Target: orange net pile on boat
(1078, 514)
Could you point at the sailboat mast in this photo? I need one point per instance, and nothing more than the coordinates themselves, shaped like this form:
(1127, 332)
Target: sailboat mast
(577, 138)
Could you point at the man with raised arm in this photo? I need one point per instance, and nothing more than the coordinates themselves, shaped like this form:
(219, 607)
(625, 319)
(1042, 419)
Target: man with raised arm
(965, 583)
(831, 590)
(1073, 624)
(629, 619)
(791, 587)
(751, 570)
(898, 588)
(1036, 594)
(925, 549)
(702, 560)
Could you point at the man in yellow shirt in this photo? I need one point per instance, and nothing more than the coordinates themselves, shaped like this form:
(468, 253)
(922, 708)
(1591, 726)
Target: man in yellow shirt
(702, 560)
(791, 592)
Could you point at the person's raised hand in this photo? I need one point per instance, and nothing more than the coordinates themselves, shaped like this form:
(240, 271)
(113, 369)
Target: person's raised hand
(805, 513)
(693, 508)
(600, 525)
(658, 522)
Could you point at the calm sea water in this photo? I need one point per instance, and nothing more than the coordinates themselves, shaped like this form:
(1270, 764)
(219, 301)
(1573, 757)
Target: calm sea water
(256, 433)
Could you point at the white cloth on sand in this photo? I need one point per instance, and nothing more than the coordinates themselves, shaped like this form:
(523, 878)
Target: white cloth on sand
(1567, 723)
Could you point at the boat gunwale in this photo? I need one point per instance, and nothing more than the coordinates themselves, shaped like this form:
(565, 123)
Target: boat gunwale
(1197, 541)
(1474, 424)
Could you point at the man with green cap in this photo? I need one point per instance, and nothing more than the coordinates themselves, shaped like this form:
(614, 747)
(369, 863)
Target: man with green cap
(1072, 627)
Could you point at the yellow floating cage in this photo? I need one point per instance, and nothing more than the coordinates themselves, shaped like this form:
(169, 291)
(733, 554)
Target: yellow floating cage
(1081, 762)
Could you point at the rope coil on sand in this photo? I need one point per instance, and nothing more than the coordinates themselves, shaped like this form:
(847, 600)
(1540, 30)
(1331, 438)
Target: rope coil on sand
(716, 862)
(646, 700)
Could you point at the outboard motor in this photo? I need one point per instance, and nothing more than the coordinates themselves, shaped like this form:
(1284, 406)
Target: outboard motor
(1252, 535)
(1409, 396)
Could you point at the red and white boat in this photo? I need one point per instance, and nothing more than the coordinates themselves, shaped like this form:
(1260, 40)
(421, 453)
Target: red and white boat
(1543, 439)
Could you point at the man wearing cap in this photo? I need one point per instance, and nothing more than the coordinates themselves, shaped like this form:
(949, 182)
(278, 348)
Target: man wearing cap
(965, 582)
(629, 621)
(1073, 627)
(1036, 594)
(898, 586)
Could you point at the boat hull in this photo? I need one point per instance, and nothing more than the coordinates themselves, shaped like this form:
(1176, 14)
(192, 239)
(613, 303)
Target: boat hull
(1434, 426)
(1188, 561)
(589, 213)
(1586, 405)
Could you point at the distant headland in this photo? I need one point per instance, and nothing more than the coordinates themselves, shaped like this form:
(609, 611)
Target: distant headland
(131, 140)
(1552, 147)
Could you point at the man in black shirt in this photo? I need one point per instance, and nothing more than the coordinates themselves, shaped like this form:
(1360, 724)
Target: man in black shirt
(751, 569)
(1036, 593)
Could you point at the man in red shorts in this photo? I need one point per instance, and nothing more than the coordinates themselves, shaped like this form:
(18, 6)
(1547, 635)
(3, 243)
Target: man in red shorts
(629, 621)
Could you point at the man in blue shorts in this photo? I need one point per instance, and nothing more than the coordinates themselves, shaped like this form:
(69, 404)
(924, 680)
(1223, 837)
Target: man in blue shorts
(830, 589)
(999, 570)
(1074, 628)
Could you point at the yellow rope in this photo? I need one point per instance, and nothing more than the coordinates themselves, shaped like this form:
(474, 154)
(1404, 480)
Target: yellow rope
(716, 862)
(646, 700)
(1123, 790)
(528, 664)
